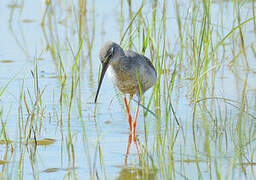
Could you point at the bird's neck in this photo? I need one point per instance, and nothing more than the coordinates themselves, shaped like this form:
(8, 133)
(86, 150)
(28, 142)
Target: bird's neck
(115, 65)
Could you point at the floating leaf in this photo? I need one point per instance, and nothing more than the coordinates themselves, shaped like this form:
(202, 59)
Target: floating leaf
(43, 142)
(6, 61)
(28, 20)
(107, 122)
(4, 161)
(4, 141)
(54, 76)
(49, 170)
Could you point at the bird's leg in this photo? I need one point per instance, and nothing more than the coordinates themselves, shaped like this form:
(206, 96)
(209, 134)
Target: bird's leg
(135, 119)
(136, 146)
(128, 114)
(128, 148)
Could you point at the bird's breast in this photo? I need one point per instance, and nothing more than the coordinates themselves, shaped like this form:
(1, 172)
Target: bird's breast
(127, 81)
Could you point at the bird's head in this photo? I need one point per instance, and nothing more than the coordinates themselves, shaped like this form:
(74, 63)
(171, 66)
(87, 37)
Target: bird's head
(109, 54)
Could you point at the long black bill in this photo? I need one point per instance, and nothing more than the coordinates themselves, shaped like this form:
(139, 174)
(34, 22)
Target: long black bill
(103, 71)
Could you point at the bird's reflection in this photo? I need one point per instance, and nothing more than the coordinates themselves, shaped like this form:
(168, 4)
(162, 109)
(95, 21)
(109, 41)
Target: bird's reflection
(137, 172)
(130, 139)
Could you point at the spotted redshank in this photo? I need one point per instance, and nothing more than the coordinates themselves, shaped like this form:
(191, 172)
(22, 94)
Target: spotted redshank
(131, 72)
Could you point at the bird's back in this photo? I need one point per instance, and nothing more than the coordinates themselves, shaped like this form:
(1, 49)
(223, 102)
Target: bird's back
(125, 75)
(141, 58)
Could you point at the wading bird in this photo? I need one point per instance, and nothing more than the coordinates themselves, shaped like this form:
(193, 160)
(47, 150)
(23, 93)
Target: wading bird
(131, 72)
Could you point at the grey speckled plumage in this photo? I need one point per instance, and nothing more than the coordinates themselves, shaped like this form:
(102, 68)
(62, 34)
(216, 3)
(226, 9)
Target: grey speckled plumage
(124, 67)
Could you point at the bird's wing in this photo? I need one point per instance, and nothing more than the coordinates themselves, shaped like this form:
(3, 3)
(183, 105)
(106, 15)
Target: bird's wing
(133, 55)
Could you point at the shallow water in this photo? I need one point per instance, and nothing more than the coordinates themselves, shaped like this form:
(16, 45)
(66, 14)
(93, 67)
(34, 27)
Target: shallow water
(91, 141)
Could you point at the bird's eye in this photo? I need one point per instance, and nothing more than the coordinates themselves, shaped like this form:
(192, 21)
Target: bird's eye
(111, 52)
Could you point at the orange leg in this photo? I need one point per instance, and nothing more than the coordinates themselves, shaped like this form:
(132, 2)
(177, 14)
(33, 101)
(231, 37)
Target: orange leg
(128, 148)
(136, 146)
(133, 130)
(135, 120)
(128, 114)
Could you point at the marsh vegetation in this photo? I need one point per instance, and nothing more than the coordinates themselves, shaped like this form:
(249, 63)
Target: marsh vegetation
(197, 122)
